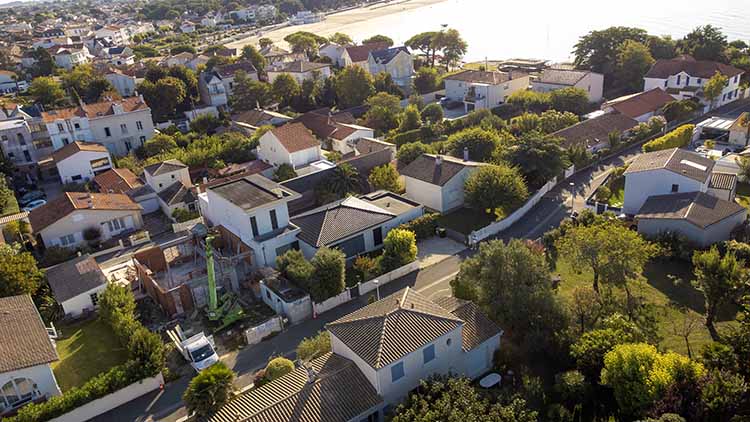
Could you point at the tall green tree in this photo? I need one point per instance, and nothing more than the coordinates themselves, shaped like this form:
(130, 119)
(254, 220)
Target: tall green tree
(344, 180)
(385, 177)
(47, 92)
(209, 390)
(426, 43)
(721, 279)
(329, 266)
(248, 93)
(411, 151)
(341, 39)
(249, 52)
(411, 119)
(384, 112)
(44, 63)
(452, 46)
(598, 50)
(704, 43)
(496, 189)
(573, 100)
(353, 86)
(663, 47)
(539, 158)
(633, 61)
(285, 89)
(479, 142)
(713, 88)
(305, 42)
(19, 273)
(426, 80)
(378, 39)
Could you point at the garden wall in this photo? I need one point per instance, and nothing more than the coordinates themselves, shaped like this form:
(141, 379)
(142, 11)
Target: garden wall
(255, 335)
(386, 278)
(110, 401)
(331, 302)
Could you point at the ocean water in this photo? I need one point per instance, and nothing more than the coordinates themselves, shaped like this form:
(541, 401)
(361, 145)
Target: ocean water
(548, 29)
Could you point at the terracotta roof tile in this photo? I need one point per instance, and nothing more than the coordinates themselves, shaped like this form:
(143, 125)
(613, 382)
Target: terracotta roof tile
(74, 147)
(49, 213)
(117, 181)
(664, 68)
(295, 137)
(360, 53)
(94, 110)
(645, 102)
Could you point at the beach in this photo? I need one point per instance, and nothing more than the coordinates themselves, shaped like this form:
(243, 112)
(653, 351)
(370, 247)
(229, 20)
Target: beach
(346, 22)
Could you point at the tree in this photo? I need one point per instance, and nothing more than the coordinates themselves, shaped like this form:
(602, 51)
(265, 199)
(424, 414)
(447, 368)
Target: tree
(344, 180)
(551, 121)
(589, 350)
(146, 348)
(432, 113)
(353, 86)
(383, 82)
(209, 390)
(44, 63)
(285, 89)
(512, 285)
(314, 347)
(278, 367)
(722, 394)
(19, 273)
(159, 144)
(250, 53)
(293, 265)
(426, 43)
(663, 47)
(744, 165)
(713, 87)
(410, 152)
(597, 50)
(633, 61)
(720, 279)
(495, 188)
(679, 110)
(612, 252)
(378, 39)
(248, 94)
(479, 142)
(328, 274)
(411, 119)
(284, 172)
(205, 124)
(455, 399)
(86, 83)
(426, 80)
(114, 302)
(47, 92)
(704, 43)
(399, 249)
(574, 100)
(452, 46)
(341, 39)
(385, 177)
(383, 114)
(265, 42)
(305, 42)
(539, 158)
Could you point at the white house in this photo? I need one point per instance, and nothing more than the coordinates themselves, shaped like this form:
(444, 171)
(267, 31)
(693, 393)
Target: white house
(171, 182)
(124, 83)
(379, 354)
(739, 132)
(478, 89)
(437, 181)
(70, 56)
(79, 162)
(187, 27)
(357, 55)
(28, 350)
(76, 284)
(124, 181)
(120, 125)
(354, 225)
(254, 210)
(62, 221)
(300, 70)
(554, 79)
(275, 55)
(216, 85)
(641, 106)
(396, 61)
(18, 145)
(684, 77)
(334, 52)
(337, 132)
(118, 34)
(291, 144)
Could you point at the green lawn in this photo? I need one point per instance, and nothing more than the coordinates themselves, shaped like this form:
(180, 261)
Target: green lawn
(743, 194)
(86, 349)
(465, 220)
(664, 283)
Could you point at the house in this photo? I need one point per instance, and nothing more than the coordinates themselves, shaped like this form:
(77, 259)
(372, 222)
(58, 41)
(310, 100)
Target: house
(285, 298)
(334, 52)
(304, 17)
(124, 82)
(187, 27)
(124, 181)
(16, 143)
(27, 351)
(641, 106)
(593, 134)
(120, 125)
(119, 56)
(179, 59)
(553, 79)
(291, 144)
(684, 77)
(118, 34)
(171, 182)
(62, 221)
(249, 121)
(358, 55)
(662, 172)
(76, 284)
(275, 55)
(739, 132)
(216, 85)
(336, 131)
(702, 218)
(396, 61)
(478, 89)
(300, 70)
(259, 201)
(70, 56)
(379, 354)
(355, 225)
(722, 185)
(437, 181)
(79, 162)
(10, 82)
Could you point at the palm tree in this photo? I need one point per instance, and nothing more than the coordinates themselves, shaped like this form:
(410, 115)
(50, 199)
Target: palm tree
(344, 179)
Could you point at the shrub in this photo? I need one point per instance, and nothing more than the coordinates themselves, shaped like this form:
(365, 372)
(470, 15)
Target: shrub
(55, 255)
(209, 390)
(492, 188)
(182, 215)
(385, 177)
(603, 194)
(411, 151)
(314, 347)
(146, 348)
(678, 138)
(329, 266)
(284, 172)
(399, 249)
(432, 113)
(295, 267)
(422, 227)
(365, 268)
(278, 367)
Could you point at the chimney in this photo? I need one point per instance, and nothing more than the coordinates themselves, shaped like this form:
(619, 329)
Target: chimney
(466, 153)
(311, 375)
(438, 160)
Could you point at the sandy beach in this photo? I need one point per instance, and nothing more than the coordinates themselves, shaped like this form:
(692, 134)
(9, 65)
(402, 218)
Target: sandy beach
(339, 22)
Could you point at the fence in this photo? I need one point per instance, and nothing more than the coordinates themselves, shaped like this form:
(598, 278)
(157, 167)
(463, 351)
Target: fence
(255, 335)
(331, 302)
(386, 278)
(104, 404)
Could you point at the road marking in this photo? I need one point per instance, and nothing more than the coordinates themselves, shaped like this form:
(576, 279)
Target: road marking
(434, 283)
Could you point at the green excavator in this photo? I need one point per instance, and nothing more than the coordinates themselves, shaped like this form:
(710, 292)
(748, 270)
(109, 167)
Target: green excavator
(230, 309)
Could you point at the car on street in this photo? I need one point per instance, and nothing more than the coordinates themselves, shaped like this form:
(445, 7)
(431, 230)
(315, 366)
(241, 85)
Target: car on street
(34, 204)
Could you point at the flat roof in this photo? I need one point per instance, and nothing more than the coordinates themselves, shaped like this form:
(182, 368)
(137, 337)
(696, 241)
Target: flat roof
(252, 191)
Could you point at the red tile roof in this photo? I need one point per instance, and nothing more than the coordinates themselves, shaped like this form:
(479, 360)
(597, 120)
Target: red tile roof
(48, 214)
(94, 110)
(117, 181)
(645, 102)
(295, 137)
(663, 69)
(360, 53)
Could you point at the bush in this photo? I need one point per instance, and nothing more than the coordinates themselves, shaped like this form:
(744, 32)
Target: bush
(432, 113)
(492, 188)
(423, 227)
(603, 194)
(411, 151)
(147, 348)
(399, 249)
(55, 255)
(329, 266)
(295, 267)
(209, 390)
(284, 172)
(278, 367)
(365, 268)
(314, 347)
(678, 138)
(385, 177)
(182, 215)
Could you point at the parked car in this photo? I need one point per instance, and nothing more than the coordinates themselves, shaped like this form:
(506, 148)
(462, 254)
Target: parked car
(31, 196)
(34, 204)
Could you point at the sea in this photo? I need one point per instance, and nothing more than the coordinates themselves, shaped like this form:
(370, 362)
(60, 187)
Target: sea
(548, 29)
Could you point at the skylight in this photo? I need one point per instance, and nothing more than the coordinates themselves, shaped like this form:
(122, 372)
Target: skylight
(694, 165)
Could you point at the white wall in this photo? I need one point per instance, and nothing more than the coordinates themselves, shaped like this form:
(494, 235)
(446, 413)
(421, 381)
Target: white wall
(69, 132)
(271, 151)
(117, 143)
(75, 305)
(42, 375)
(480, 359)
(639, 186)
(592, 83)
(425, 193)
(702, 237)
(690, 83)
(162, 181)
(124, 84)
(401, 68)
(306, 156)
(78, 221)
(79, 164)
(495, 94)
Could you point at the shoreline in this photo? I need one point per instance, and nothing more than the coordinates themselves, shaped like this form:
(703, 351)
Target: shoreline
(336, 21)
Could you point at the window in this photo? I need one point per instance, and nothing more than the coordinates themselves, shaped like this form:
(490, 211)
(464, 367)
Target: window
(11, 155)
(128, 145)
(26, 155)
(65, 141)
(4, 137)
(687, 80)
(77, 125)
(428, 353)
(17, 392)
(20, 139)
(448, 342)
(94, 298)
(679, 77)
(274, 220)
(116, 225)
(139, 125)
(268, 294)
(107, 132)
(254, 226)
(60, 127)
(68, 240)
(77, 177)
(124, 128)
(700, 81)
(173, 177)
(143, 140)
(397, 371)
(666, 82)
(675, 188)
(377, 236)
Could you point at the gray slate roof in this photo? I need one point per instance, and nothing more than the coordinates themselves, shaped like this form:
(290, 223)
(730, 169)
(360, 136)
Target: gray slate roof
(23, 338)
(426, 169)
(164, 167)
(386, 55)
(391, 328)
(478, 328)
(74, 277)
(697, 208)
(680, 161)
(339, 393)
(562, 76)
(177, 193)
(592, 131)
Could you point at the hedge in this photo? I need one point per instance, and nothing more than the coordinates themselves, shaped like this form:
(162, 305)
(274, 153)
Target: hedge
(678, 138)
(424, 134)
(424, 226)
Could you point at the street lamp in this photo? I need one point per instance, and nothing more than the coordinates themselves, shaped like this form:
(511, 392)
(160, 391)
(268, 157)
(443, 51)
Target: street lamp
(573, 199)
(377, 288)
